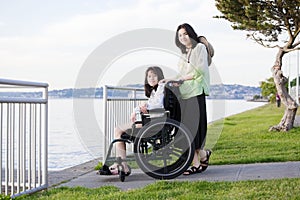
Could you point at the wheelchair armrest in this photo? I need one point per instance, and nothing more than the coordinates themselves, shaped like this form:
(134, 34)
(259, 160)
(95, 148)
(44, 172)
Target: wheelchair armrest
(178, 82)
(157, 112)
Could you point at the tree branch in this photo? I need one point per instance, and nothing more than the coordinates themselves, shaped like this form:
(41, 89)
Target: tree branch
(261, 42)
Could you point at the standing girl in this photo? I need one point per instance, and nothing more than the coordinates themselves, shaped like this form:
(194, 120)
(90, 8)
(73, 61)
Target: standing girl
(193, 70)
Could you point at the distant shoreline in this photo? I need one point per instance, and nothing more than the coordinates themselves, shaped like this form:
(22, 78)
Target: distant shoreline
(258, 100)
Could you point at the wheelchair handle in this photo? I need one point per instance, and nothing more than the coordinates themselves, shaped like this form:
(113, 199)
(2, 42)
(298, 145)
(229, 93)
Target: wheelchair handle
(176, 82)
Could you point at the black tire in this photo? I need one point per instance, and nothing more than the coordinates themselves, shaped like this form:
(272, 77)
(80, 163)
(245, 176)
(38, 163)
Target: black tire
(164, 149)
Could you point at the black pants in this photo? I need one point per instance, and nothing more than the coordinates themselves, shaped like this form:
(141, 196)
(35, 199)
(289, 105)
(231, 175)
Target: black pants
(194, 117)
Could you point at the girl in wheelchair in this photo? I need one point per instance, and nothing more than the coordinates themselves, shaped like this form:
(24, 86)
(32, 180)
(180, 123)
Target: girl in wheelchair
(155, 92)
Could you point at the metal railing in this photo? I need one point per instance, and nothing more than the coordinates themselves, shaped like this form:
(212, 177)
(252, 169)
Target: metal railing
(24, 137)
(117, 109)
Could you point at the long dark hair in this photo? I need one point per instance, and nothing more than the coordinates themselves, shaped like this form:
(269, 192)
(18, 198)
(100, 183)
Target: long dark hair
(160, 75)
(191, 33)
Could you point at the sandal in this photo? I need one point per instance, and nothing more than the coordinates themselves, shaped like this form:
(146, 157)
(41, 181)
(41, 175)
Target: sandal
(192, 170)
(128, 168)
(129, 171)
(204, 164)
(112, 170)
(115, 167)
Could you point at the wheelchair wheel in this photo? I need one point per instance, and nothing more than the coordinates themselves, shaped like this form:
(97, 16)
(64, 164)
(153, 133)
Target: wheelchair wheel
(164, 149)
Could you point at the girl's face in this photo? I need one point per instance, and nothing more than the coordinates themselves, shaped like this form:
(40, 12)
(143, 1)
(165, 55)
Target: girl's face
(152, 78)
(184, 38)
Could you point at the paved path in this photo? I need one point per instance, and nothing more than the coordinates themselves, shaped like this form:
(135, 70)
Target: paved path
(138, 179)
(84, 175)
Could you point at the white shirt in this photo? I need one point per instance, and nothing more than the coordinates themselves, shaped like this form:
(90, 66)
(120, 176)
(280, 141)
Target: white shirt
(156, 99)
(197, 67)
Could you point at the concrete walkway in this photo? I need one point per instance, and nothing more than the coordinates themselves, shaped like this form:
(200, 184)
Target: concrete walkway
(84, 177)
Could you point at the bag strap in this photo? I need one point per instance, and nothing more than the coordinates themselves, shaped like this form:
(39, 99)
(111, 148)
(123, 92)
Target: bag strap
(209, 48)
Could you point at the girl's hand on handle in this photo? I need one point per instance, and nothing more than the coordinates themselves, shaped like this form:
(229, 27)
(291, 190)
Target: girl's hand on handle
(143, 108)
(163, 81)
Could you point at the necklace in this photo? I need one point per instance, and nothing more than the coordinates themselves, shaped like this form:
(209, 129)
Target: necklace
(189, 52)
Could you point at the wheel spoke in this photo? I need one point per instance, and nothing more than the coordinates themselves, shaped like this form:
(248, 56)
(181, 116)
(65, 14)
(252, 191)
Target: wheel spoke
(172, 150)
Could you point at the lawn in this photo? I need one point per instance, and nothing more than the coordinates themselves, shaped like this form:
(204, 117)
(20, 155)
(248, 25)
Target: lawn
(271, 189)
(245, 138)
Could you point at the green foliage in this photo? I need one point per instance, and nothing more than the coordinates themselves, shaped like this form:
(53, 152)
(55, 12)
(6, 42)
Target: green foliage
(269, 18)
(268, 89)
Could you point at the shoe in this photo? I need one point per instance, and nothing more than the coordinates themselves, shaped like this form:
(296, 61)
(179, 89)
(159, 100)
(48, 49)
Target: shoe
(193, 170)
(113, 170)
(204, 164)
(105, 170)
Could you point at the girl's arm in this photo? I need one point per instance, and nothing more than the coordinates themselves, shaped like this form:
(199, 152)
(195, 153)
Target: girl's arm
(132, 117)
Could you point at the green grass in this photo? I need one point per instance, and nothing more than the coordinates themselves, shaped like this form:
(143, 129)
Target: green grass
(244, 139)
(271, 189)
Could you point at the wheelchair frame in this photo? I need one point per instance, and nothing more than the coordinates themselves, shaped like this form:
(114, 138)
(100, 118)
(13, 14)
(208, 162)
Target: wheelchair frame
(163, 147)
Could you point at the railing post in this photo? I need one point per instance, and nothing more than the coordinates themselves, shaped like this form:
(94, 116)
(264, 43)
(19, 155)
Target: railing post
(105, 132)
(45, 169)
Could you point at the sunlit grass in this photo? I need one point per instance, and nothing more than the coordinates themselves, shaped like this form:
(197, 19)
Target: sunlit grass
(245, 138)
(270, 189)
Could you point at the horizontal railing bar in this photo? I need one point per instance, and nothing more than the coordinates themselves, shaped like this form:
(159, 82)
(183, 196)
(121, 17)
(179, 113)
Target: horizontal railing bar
(125, 99)
(124, 88)
(22, 83)
(22, 100)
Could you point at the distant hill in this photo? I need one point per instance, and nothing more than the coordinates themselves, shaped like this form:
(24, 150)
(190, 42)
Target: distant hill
(221, 91)
(226, 91)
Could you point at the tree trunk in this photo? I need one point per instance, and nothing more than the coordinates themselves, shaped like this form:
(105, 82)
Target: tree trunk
(288, 118)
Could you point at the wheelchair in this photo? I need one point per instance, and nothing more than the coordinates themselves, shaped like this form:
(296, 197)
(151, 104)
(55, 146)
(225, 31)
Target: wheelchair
(163, 147)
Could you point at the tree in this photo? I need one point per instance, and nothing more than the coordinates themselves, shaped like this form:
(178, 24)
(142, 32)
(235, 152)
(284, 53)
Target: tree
(268, 89)
(272, 24)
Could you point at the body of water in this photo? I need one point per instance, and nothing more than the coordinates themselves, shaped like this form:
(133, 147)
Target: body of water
(65, 146)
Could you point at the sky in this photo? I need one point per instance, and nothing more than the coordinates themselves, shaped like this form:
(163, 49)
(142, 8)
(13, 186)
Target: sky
(49, 41)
